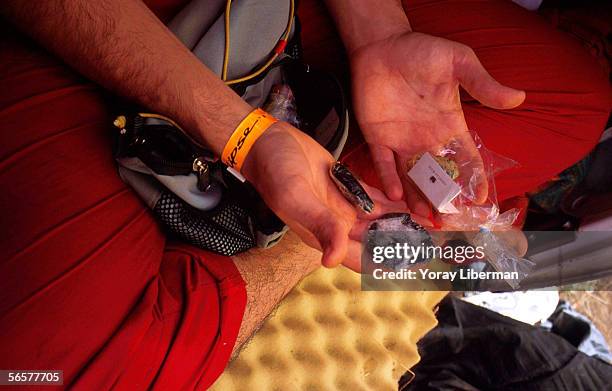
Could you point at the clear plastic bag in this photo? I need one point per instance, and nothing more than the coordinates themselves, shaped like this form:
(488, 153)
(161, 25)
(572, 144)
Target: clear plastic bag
(481, 222)
(473, 216)
(502, 256)
(281, 104)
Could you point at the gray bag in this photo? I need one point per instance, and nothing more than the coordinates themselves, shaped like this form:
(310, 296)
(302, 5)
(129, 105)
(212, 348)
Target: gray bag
(191, 193)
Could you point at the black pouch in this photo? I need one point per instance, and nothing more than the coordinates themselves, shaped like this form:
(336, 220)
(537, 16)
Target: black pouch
(183, 185)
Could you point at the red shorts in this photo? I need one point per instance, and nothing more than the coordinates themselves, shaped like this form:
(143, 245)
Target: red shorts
(89, 285)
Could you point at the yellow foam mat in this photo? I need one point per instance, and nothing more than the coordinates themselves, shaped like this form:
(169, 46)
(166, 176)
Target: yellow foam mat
(329, 335)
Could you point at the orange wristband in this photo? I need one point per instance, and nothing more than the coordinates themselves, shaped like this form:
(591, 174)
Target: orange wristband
(243, 138)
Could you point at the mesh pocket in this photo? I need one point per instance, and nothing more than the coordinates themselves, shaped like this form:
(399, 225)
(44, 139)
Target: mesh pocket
(224, 230)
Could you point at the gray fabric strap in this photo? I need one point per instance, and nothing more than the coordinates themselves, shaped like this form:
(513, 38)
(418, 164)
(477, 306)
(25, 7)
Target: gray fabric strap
(255, 28)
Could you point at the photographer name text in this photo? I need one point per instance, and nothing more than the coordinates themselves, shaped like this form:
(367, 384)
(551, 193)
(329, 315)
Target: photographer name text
(427, 274)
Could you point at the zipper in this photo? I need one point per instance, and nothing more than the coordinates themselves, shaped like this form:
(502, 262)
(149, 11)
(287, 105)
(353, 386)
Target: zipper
(167, 167)
(200, 165)
(164, 118)
(202, 170)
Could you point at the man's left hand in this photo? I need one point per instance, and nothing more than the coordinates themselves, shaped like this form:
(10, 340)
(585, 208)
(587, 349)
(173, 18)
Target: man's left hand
(406, 98)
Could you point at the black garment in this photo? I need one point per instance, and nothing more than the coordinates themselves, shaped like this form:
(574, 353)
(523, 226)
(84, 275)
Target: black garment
(473, 348)
(578, 330)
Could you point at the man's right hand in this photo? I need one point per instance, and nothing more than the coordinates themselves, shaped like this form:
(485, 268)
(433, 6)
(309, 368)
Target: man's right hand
(291, 172)
(287, 167)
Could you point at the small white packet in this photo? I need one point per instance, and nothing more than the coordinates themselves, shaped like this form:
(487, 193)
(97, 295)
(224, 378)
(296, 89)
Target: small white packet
(435, 184)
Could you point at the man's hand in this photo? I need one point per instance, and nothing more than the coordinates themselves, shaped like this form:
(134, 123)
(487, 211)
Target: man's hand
(406, 98)
(291, 172)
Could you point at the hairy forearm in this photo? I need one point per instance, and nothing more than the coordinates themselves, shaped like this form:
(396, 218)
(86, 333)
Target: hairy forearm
(361, 22)
(123, 46)
(270, 275)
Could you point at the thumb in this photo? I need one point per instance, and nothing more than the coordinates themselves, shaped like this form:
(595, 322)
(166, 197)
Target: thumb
(474, 180)
(474, 78)
(333, 239)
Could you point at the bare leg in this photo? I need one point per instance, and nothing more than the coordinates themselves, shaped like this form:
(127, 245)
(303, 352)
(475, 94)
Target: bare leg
(270, 275)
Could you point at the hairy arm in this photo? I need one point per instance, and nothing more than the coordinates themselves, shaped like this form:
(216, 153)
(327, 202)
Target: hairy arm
(270, 275)
(123, 46)
(361, 22)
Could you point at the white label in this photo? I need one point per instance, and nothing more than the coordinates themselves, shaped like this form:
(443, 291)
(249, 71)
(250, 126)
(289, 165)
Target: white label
(435, 183)
(237, 174)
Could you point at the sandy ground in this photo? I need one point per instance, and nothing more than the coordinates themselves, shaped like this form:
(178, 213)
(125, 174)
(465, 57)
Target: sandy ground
(595, 303)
